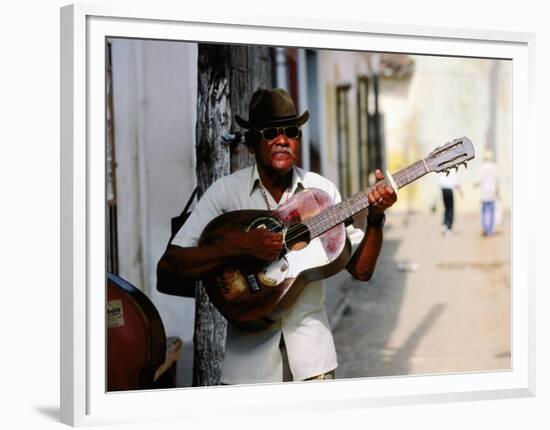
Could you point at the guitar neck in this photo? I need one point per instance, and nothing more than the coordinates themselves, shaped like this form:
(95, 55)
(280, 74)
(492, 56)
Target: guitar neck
(356, 203)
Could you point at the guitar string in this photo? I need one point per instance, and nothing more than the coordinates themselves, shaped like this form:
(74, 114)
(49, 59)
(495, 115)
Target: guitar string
(296, 231)
(291, 228)
(319, 221)
(402, 178)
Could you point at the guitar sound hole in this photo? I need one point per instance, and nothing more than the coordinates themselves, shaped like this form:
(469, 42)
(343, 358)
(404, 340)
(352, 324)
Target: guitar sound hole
(297, 237)
(269, 223)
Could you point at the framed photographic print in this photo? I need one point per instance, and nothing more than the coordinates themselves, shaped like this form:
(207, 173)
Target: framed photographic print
(149, 99)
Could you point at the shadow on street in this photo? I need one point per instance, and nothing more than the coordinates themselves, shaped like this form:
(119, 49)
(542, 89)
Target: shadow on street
(436, 303)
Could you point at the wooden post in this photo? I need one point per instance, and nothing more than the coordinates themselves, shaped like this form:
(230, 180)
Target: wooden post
(250, 70)
(227, 77)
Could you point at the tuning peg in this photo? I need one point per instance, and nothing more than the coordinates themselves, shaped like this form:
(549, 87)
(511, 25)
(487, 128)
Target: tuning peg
(447, 172)
(465, 164)
(456, 169)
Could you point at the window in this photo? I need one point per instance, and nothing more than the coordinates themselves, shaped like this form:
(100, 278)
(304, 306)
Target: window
(363, 131)
(343, 139)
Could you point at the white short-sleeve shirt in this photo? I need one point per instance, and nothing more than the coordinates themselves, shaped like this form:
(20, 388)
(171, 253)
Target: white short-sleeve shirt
(254, 356)
(488, 178)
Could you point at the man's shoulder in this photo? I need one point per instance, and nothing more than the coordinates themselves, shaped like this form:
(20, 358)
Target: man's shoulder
(315, 180)
(236, 178)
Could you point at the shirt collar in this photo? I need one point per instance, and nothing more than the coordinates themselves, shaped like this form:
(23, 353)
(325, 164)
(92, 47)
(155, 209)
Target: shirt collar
(297, 179)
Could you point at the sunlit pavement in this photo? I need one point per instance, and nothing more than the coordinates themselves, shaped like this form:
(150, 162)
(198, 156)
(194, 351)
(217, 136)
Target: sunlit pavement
(437, 303)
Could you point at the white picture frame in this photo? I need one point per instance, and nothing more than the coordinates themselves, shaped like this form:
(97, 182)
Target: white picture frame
(84, 400)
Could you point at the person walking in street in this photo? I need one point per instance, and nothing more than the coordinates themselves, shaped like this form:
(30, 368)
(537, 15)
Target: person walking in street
(488, 183)
(448, 184)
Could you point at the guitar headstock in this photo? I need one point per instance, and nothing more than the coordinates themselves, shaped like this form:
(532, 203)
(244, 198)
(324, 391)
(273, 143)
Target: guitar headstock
(452, 154)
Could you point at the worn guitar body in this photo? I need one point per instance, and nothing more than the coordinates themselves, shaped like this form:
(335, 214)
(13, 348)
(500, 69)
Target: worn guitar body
(252, 295)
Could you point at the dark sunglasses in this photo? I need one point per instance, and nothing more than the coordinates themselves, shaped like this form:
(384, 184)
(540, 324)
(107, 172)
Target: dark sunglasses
(271, 133)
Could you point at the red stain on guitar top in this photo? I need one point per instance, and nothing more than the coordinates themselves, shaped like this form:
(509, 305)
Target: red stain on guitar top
(332, 240)
(301, 207)
(294, 215)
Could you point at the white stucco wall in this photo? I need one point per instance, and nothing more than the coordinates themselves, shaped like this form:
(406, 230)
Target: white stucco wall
(154, 91)
(445, 98)
(340, 68)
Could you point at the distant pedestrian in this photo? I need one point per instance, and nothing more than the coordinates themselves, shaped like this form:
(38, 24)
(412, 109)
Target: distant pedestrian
(448, 184)
(488, 183)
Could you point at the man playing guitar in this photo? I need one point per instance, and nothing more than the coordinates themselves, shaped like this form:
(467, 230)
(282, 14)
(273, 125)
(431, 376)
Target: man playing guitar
(299, 345)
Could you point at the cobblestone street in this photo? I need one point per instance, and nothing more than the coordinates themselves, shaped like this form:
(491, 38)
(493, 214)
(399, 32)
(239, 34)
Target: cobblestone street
(436, 303)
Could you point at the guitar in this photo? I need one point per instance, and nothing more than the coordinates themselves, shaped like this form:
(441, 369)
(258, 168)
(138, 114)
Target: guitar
(253, 295)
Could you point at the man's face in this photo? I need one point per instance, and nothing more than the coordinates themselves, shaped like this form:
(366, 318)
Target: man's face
(277, 155)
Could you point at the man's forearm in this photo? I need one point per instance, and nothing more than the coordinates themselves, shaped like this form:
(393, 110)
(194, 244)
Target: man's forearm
(362, 263)
(183, 266)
